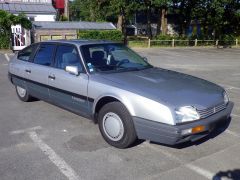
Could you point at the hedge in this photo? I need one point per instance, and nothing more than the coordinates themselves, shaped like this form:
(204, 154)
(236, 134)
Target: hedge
(4, 41)
(114, 35)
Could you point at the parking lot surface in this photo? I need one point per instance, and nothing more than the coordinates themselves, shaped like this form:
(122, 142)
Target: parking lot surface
(42, 141)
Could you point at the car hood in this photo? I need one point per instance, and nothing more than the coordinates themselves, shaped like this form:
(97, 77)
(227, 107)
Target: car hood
(169, 87)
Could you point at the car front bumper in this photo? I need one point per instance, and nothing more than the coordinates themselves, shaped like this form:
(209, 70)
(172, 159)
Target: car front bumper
(172, 134)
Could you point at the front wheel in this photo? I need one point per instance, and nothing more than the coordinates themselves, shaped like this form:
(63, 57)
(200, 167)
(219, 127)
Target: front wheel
(23, 94)
(116, 125)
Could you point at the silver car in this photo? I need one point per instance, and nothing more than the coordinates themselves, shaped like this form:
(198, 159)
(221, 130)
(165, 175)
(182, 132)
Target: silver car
(120, 90)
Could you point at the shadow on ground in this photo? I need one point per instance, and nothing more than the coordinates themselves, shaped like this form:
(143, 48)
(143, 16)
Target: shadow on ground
(230, 174)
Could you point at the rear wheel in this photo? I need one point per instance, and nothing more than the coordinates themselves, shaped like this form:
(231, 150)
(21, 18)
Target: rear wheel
(116, 125)
(23, 94)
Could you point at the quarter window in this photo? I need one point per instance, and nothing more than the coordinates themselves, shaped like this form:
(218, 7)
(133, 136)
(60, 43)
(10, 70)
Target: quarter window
(67, 56)
(45, 54)
(26, 53)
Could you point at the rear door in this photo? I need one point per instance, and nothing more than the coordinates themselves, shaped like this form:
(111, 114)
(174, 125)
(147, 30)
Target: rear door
(19, 64)
(65, 89)
(37, 72)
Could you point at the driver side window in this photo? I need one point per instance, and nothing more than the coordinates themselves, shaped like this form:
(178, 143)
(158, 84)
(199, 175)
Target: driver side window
(67, 56)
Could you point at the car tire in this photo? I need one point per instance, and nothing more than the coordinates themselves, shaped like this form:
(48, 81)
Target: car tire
(23, 94)
(116, 125)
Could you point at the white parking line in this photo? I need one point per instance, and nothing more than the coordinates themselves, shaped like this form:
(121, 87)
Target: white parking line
(55, 159)
(49, 152)
(198, 170)
(169, 155)
(232, 133)
(230, 87)
(25, 130)
(201, 171)
(6, 56)
(234, 115)
(237, 74)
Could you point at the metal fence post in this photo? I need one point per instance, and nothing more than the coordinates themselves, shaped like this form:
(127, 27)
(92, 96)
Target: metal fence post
(149, 43)
(216, 42)
(173, 42)
(195, 43)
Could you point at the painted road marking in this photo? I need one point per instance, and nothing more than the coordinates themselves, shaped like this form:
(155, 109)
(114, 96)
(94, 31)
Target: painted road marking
(235, 115)
(20, 131)
(7, 57)
(230, 87)
(198, 170)
(201, 171)
(49, 152)
(169, 155)
(205, 173)
(54, 158)
(232, 133)
(237, 74)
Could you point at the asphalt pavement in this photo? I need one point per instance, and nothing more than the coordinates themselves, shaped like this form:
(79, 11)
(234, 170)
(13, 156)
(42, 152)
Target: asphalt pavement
(42, 141)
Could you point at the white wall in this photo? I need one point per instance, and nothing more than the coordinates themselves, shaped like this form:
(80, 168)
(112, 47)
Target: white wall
(31, 1)
(44, 17)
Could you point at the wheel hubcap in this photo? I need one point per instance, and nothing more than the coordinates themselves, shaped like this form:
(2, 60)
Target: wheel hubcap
(21, 91)
(113, 126)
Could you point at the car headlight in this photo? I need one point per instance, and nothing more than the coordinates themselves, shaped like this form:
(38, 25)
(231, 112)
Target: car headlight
(186, 113)
(226, 98)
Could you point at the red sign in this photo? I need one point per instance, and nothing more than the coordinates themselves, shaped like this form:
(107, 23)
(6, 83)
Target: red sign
(59, 4)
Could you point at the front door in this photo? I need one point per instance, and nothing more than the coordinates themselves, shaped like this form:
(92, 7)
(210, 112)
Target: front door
(65, 89)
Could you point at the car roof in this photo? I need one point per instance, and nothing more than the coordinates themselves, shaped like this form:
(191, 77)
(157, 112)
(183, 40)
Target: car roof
(80, 41)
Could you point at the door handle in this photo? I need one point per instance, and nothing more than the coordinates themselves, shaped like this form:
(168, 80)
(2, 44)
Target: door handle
(28, 71)
(52, 77)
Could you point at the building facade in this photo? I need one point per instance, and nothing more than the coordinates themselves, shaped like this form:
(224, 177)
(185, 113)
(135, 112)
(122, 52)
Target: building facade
(35, 10)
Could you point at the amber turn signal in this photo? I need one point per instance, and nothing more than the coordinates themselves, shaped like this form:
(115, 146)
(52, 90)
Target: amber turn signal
(198, 129)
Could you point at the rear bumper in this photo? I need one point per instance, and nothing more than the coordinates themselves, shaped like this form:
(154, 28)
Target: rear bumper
(172, 134)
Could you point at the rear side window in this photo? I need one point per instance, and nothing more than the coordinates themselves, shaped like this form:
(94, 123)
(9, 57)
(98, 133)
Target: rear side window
(26, 53)
(45, 54)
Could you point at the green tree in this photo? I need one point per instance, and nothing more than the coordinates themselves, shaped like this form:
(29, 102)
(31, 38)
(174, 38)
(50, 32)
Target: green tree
(123, 10)
(89, 10)
(162, 7)
(7, 19)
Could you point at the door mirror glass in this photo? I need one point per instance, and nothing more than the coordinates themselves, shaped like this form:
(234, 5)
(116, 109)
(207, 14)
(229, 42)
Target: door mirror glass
(72, 70)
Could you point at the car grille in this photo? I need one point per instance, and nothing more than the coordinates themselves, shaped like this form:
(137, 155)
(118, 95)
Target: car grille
(210, 111)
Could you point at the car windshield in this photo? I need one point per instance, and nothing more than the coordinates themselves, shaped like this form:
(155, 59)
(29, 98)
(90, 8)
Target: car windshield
(112, 58)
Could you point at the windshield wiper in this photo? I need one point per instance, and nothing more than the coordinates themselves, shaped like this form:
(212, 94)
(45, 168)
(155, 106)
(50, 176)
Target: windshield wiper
(128, 69)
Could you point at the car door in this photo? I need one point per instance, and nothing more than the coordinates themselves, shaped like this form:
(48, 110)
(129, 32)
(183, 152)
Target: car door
(37, 71)
(68, 90)
(19, 63)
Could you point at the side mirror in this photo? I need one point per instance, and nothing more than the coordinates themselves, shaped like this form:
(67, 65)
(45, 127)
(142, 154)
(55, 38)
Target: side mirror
(72, 70)
(145, 59)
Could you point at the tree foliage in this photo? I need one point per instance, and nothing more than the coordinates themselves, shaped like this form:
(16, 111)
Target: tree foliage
(216, 17)
(8, 19)
(114, 35)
